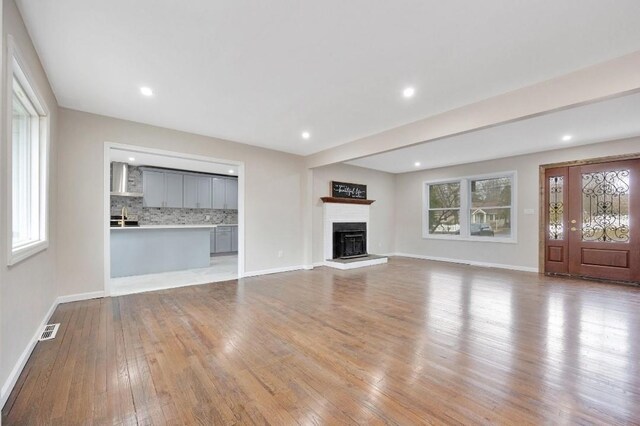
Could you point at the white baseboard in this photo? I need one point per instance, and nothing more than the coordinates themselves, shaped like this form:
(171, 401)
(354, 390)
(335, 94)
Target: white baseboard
(276, 270)
(11, 381)
(80, 296)
(468, 262)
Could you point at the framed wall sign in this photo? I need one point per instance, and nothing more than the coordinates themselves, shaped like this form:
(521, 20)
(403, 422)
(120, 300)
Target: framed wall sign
(348, 190)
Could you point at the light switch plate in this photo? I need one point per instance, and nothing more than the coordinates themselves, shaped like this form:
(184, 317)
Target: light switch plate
(529, 211)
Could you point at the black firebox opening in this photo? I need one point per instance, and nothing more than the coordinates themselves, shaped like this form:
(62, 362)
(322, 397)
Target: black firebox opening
(349, 240)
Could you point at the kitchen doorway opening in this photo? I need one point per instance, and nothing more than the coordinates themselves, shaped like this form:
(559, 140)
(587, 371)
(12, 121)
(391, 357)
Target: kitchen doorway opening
(170, 219)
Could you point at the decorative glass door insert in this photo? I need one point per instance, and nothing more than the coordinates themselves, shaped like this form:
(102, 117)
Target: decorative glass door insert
(605, 206)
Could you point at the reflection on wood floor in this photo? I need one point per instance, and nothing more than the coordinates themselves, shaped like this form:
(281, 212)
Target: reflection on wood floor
(410, 342)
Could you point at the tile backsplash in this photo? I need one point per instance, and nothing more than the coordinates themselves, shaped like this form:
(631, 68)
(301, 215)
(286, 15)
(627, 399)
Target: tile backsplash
(165, 216)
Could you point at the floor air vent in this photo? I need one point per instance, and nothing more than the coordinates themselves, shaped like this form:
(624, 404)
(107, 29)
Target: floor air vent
(49, 332)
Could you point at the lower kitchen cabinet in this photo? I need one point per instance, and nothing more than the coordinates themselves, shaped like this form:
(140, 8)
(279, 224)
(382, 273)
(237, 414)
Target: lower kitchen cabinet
(224, 239)
(234, 238)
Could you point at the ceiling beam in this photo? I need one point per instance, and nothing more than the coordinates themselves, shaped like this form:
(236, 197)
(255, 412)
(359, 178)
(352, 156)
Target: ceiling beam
(616, 77)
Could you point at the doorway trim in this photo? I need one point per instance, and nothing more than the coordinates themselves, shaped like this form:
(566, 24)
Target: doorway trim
(108, 146)
(543, 191)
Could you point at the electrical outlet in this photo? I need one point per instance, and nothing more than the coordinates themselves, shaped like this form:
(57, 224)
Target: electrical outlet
(529, 211)
(280, 253)
(207, 217)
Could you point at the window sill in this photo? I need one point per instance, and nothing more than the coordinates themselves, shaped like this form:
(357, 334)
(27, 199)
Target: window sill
(475, 239)
(22, 253)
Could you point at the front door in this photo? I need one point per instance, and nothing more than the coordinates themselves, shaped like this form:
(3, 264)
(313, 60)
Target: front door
(592, 216)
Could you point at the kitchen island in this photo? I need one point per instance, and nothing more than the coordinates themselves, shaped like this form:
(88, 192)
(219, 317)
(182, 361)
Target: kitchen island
(159, 248)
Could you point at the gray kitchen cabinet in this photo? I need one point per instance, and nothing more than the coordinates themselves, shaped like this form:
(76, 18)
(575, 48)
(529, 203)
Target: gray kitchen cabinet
(197, 192)
(162, 189)
(213, 241)
(231, 194)
(218, 192)
(175, 189)
(153, 189)
(225, 193)
(204, 192)
(223, 239)
(190, 192)
(234, 238)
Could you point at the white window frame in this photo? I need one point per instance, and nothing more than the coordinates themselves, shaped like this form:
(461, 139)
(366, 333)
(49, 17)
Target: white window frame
(465, 209)
(17, 67)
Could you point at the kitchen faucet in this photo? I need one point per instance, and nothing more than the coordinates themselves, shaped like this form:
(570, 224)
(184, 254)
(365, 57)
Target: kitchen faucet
(125, 212)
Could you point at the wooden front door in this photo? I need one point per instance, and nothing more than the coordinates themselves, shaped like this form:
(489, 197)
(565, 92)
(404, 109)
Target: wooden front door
(592, 220)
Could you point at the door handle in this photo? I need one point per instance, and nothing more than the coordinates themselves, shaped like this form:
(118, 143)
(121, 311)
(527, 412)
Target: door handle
(573, 221)
(573, 228)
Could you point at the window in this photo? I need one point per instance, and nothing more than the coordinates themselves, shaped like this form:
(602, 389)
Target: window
(444, 208)
(490, 211)
(28, 130)
(471, 208)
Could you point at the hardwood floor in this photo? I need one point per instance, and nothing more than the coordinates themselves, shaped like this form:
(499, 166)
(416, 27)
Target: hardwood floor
(410, 342)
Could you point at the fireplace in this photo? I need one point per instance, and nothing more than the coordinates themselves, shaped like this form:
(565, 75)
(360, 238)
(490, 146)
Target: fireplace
(349, 240)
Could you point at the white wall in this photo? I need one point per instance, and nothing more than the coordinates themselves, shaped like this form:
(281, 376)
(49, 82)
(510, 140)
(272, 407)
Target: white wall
(523, 254)
(27, 289)
(380, 187)
(275, 183)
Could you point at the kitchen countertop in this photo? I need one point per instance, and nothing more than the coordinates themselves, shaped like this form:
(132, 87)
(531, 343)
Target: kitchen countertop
(150, 227)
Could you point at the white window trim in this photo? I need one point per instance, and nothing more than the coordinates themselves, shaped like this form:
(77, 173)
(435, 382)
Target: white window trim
(16, 66)
(465, 210)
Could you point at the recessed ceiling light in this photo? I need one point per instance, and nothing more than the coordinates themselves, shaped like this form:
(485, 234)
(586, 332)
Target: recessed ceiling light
(306, 135)
(231, 171)
(567, 138)
(132, 159)
(146, 91)
(408, 92)
(417, 164)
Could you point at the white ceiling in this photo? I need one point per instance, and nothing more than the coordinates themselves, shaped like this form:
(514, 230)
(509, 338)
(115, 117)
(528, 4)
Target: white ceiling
(598, 122)
(262, 72)
(170, 162)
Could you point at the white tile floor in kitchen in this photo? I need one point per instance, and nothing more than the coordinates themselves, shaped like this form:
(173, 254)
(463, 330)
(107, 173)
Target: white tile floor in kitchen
(223, 268)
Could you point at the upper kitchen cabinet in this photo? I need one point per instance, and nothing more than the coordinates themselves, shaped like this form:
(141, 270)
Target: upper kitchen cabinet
(225, 193)
(153, 189)
(231, 194)
(197, 192)
(162, 189)
(175, 189)
(219, 193)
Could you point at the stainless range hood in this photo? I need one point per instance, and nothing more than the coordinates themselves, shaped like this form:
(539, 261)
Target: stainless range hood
(120, 180)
